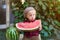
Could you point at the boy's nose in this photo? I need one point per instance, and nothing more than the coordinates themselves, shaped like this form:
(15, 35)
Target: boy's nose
(32, 17)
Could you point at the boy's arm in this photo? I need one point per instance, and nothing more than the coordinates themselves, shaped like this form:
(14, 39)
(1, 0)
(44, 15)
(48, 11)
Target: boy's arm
(40, 26)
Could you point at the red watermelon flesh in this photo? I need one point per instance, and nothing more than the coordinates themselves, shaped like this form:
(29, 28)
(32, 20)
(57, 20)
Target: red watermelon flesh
(28, 25)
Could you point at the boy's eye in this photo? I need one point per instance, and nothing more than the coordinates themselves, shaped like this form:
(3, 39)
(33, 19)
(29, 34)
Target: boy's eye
(34, 14)
(30, 15)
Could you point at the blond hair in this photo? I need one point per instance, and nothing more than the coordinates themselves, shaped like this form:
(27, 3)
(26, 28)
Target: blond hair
(27, 10)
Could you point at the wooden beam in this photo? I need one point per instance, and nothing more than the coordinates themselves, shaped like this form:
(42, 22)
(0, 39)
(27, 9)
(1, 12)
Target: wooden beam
(7, 13)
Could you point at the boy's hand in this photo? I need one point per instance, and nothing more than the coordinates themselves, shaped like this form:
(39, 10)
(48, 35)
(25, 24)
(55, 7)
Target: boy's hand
(40, 27)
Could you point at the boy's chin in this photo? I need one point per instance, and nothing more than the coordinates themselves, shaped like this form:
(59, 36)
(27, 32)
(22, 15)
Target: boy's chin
(32, 20)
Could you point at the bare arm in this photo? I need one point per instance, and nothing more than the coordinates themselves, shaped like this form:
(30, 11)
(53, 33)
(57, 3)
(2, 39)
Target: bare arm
(40, 27)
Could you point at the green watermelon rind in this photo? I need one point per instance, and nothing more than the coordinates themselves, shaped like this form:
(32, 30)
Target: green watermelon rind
(11, 34)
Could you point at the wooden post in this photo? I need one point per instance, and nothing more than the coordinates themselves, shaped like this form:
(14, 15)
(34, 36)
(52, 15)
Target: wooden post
(7, 13)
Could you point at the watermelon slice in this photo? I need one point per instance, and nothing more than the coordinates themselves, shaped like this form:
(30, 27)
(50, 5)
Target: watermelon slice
(28, 25)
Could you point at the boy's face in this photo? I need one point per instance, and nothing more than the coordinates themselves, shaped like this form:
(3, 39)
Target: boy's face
(31, 15)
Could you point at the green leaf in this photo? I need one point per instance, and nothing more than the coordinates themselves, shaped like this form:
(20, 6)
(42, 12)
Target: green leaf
(48, 19)
(43, 7)
(59, 0)
(38, 16)
(50, 27)
(16, 20)
(42, 17)
(57, 22)
(25, 5)
(45, 27)
(40, 2)
(52, 22)
(44, 33)
(44, 22)
(16, 13)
